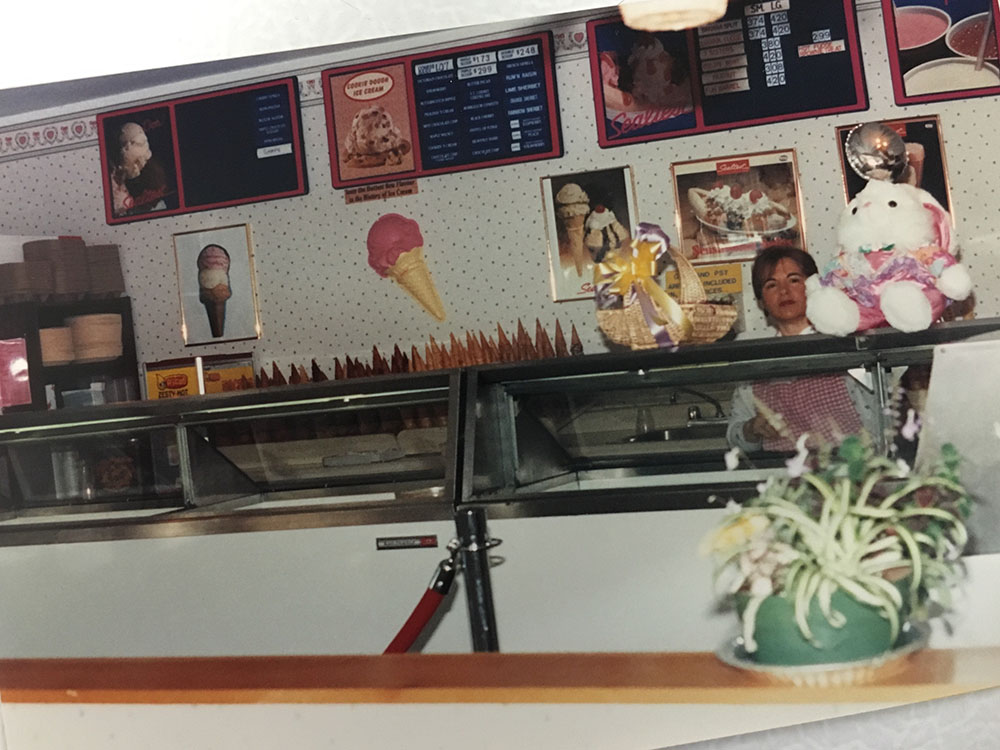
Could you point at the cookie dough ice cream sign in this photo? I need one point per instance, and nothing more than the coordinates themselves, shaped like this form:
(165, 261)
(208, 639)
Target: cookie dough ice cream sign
(366, 86)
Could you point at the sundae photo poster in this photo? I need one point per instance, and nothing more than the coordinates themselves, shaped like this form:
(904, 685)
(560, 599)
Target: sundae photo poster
(933, 47)
(586, 214)
(927, 167)
(218, 291)
(730, 208)
(642, 83)
(369, 121)
(137, 154)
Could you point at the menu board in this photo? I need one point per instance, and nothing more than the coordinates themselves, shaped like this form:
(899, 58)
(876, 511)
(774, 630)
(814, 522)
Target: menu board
(446, 111)
(760, 63)
(933, 48)
(219, 149)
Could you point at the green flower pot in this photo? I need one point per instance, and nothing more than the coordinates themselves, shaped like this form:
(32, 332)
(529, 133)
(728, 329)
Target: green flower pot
(866, 633)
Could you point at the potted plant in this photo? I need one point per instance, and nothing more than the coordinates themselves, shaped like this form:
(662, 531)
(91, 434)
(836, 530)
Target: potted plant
(827, 563)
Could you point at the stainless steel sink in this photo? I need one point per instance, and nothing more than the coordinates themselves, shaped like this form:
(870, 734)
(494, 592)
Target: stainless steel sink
(705, 430)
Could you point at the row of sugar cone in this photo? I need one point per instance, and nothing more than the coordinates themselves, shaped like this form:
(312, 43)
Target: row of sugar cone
(477, 349)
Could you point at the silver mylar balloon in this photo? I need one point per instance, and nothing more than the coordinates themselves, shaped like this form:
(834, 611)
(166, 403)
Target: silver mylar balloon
(876, 152)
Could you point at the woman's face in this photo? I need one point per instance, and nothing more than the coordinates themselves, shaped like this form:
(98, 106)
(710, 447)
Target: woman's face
(784, 293)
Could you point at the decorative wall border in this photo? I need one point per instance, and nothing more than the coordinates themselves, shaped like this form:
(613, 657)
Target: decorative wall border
(37, 139)
(80, 131)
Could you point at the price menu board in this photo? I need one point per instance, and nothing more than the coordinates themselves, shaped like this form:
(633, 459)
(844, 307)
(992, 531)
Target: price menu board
(762, 62)
(457, 109)
(222, 148)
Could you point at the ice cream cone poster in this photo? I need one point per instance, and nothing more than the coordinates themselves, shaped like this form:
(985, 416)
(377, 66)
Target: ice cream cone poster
(371, 122)
(586, 215)
(396, 251)
(216, 283)
(730, 208)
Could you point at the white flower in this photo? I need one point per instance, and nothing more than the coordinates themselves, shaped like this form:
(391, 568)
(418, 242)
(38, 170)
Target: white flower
(732, 459)
(797, 464)
(902, 467)
(912, 427)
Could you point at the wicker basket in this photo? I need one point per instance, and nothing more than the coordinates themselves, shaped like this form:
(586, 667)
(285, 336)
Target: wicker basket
(709, 321)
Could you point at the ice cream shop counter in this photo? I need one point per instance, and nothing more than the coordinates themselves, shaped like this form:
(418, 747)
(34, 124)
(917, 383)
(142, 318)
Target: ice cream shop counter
(572, 435)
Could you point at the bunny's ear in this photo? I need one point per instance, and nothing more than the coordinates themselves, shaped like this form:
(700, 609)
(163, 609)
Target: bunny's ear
(942, 224)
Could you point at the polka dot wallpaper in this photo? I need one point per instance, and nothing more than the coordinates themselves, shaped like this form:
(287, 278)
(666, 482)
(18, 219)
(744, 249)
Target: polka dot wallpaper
(484, 230)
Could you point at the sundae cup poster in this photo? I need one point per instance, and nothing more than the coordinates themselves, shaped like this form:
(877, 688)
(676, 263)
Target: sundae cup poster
(642, 82)
(138, 164)
(236, 316)
(586, 213)
(933, 45)
(926, 164)
(730, 208)
(369, 118)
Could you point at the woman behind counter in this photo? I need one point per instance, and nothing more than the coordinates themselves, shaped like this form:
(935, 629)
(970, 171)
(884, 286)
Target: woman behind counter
(827, 406)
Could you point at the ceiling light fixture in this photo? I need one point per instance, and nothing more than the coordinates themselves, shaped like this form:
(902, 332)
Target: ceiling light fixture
(670, 15)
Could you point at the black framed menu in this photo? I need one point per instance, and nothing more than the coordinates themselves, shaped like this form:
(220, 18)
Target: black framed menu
(456, 109)
(223, 148)
(762, 62)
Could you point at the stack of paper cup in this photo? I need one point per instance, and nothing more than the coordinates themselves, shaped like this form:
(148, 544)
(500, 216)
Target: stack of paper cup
(57, 346)
(96, 337)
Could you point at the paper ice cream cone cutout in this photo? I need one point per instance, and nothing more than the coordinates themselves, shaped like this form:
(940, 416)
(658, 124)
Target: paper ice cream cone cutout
(411, 272)
(396, 251)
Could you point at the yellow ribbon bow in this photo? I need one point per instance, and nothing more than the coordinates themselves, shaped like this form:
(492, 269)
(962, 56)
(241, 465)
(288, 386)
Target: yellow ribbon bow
(634, 266)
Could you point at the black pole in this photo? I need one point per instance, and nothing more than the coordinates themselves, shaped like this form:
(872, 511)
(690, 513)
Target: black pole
(475, 557)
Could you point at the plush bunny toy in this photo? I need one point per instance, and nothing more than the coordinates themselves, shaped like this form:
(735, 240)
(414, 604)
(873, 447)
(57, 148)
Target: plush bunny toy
(895, 264)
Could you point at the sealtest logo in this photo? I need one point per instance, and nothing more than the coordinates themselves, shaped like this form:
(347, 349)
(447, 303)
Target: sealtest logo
(735, 166)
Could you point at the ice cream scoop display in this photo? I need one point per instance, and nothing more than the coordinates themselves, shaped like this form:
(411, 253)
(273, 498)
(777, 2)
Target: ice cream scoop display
(395, 250)
(374, 140)
(572, 207)
(213, 285)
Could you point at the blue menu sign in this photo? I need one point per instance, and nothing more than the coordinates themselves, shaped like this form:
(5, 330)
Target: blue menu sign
(446, 111)
(762, 62)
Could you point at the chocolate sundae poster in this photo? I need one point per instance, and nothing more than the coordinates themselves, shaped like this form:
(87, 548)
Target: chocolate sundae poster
(371, 122)
(926, 166)
(732, 207)
(933, 47)
(642, 82)
(216, 284)
(587, 214)
(137, 150)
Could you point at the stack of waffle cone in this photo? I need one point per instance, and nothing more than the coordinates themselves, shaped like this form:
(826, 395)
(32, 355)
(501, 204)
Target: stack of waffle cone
(411, 272)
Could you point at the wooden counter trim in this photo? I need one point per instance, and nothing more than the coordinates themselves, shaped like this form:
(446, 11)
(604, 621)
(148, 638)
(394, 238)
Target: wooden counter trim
(470, 678)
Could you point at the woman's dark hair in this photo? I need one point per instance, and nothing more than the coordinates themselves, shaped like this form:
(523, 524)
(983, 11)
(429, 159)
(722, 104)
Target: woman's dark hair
(766, 261)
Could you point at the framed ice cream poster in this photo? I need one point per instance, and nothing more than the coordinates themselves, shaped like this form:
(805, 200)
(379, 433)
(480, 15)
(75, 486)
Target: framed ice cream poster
(215, 278)
(730, 208)
(586, 215)
(942, 49)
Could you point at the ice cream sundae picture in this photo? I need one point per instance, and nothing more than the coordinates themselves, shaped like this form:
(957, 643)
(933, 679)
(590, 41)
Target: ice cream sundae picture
(214, 289)
(396, 251)
(374, 140)
(733, 208)
(643, 83)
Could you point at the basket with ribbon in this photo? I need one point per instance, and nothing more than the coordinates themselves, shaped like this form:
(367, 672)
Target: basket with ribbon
(635, 311)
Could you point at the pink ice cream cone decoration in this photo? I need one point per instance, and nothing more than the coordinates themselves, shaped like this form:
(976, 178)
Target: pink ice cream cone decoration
(396, 251)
